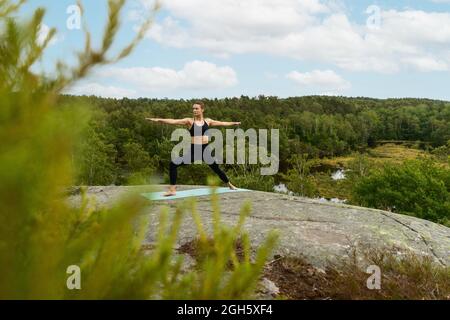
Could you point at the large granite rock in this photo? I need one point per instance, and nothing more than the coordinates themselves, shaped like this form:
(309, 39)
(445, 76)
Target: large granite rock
(320, 232)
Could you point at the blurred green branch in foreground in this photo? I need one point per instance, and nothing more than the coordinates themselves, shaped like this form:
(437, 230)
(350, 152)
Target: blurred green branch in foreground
(41, 236)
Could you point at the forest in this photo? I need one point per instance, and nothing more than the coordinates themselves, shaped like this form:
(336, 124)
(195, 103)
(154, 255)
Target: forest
(320, 136)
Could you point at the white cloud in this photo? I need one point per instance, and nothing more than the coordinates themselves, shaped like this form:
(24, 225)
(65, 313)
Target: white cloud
(326, 80)
(310, 30)
(426, 64)
(195, 75)
(96, 89)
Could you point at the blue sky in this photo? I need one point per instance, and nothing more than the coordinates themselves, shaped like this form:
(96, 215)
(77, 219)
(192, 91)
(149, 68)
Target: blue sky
(226, 48)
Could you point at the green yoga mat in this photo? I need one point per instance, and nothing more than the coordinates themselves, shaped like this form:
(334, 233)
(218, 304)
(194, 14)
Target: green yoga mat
(189, 193)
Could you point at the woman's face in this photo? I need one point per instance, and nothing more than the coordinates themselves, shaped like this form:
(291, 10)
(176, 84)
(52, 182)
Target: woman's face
(197, 110)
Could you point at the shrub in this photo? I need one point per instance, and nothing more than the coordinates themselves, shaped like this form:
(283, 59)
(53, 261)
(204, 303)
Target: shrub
(418, 187)
(406, 277)
(299, 179)
(41, 235)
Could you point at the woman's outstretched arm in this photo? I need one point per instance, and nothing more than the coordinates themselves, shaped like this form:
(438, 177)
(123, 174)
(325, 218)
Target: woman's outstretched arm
(184, 121)
(216, 123)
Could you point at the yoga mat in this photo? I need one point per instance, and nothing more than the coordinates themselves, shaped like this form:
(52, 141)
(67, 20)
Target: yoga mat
(189, 193)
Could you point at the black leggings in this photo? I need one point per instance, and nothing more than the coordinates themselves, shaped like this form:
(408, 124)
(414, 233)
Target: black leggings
(199, 155)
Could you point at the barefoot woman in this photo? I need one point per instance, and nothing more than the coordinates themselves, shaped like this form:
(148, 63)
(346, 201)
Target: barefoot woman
(198, 139)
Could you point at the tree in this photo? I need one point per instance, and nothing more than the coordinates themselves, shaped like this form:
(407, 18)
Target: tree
(298, 178)
(443, 152)
(95, 161)
(139, 165)
(418, 187)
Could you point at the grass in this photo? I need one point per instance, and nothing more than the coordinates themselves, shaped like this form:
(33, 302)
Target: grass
(329, 188)
(384, 154)
(379, 155)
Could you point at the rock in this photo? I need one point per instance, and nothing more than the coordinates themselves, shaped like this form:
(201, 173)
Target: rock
(267, 289)
(320, 232)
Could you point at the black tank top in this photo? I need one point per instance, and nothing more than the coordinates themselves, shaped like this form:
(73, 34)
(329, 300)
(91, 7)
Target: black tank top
(204, 128)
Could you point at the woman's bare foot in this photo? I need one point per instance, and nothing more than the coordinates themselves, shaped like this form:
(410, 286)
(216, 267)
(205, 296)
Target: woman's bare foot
(171, 192)
(231, 186)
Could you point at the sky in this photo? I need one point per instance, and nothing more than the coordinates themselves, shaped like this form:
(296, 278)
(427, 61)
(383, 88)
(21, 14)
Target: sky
(285, 48)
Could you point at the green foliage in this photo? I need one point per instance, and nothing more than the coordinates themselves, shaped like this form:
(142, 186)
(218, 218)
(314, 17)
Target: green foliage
(317, 126)
(360, 165)
(418, 187)
(94, 160)
(329, 188)
(135, 157)
(139, 164)
(443, 152)
(107, 246)
(250, 177)
(212, 278)
(41, 235)
(299, 179)
(247, 175)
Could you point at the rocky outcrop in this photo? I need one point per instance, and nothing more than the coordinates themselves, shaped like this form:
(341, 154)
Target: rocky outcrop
(320, 232)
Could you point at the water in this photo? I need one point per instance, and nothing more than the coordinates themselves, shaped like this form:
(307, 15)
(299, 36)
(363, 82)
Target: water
(338, 175)
(281, 188)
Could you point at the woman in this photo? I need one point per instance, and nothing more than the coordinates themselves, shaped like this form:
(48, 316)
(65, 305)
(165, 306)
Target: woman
(197, 141)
